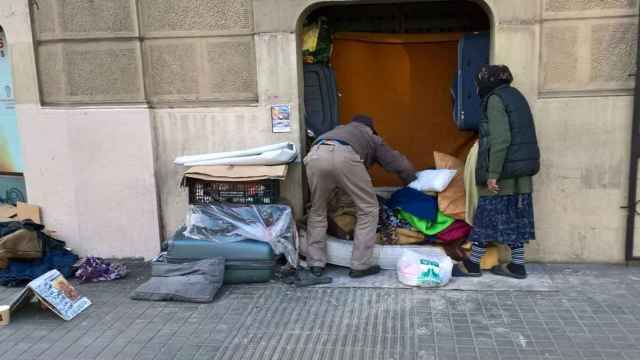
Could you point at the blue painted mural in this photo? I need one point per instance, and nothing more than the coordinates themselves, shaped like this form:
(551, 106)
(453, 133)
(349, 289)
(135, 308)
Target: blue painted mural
(11, 187)
(10, 150)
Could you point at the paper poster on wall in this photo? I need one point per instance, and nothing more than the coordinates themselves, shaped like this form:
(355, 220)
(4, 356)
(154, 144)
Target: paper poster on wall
(10, 148)
(281, 118)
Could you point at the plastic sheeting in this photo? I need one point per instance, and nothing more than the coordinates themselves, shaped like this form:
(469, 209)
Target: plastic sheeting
(223, 223)
(276, 154)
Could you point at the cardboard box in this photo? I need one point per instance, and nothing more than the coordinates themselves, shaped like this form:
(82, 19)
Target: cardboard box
(8, 211)
(22, 211)
(29, 212)
(236, 172)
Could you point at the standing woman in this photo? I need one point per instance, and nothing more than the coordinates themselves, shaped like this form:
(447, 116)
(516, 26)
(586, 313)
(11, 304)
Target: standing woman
(508, 157)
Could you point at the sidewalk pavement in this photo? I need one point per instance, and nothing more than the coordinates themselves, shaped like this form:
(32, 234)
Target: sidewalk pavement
(594, 314)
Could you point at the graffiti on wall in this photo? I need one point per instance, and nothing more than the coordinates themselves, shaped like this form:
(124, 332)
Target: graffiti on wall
(10, 149)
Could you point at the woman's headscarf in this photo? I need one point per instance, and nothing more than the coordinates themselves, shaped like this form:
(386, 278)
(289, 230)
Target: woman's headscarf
(491, 76)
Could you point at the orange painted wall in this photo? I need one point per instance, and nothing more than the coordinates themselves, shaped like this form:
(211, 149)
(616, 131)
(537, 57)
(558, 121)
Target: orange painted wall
(403, 82)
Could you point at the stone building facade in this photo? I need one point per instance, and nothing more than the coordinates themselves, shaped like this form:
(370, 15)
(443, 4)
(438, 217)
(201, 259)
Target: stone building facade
(109, 92)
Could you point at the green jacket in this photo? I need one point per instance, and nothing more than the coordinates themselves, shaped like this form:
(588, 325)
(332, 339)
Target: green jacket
(499, 140)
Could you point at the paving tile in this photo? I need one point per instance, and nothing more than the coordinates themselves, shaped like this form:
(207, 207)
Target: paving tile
(447, 356)
(273, 321)
(465, 342)
(613, 355)
(591, 354)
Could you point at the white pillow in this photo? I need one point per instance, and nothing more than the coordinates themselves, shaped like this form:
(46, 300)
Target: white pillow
(433, 180)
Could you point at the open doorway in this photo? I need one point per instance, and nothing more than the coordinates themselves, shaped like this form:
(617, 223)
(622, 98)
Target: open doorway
(12, 184)
(398, 63)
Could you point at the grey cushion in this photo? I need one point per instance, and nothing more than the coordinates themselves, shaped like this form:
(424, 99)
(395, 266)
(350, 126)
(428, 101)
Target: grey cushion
(196, 281)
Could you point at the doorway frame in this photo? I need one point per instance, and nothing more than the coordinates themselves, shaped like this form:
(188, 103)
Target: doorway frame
(299, 60)
(632, 199)
(316, 4)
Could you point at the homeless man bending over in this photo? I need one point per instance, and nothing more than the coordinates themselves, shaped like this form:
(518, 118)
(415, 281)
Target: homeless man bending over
(340, 159)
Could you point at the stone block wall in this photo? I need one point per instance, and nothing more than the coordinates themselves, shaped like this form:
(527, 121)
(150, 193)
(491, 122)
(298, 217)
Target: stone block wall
(84, 19)
(583, 118)
(170, 18)
(235, 58)
(198, 55)
(200, 69)
(88, 52)
(137, 51)
(588, 47)
(578, 7)
(198, 51)
(90, 72)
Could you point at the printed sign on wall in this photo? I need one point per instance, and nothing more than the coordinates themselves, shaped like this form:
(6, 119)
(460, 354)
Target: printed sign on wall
(281, 118)
(10, 150)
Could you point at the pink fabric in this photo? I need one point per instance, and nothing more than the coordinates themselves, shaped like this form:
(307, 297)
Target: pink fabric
(458, 230)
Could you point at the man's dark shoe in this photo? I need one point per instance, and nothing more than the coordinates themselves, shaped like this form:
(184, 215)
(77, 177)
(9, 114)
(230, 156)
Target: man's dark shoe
(316, 270)
(366, 272)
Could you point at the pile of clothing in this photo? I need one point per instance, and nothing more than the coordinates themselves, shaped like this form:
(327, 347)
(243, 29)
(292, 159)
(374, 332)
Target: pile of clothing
(408, 217)
(341, 215)
(431, 211)
(413, 215)
(26, 252)
(393, 230)
(94, 269)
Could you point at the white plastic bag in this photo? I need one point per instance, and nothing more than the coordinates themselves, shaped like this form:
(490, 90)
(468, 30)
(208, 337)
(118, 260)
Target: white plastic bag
(433, 180)
(428, 267)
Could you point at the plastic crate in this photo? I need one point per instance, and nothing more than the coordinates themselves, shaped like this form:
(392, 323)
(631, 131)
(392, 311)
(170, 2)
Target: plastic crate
(251, 192)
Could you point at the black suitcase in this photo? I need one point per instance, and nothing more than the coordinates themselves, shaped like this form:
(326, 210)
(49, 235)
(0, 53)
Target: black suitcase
(473, 52)
(320, 98)
(246, 261)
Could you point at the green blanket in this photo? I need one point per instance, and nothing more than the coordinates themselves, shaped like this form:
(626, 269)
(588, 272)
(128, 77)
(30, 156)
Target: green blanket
(425, 226)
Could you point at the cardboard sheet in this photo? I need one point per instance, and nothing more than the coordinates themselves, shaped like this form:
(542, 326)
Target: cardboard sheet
(237, 173)
(22, 211)
(8, 211)
(55, 293)
(29, 212)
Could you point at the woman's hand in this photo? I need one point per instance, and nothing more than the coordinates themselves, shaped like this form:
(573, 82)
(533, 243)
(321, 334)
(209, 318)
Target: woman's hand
(492, 185)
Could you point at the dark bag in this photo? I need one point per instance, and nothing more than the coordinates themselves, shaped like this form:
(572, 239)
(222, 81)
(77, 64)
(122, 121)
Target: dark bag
(320, 99)
(473, 52)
